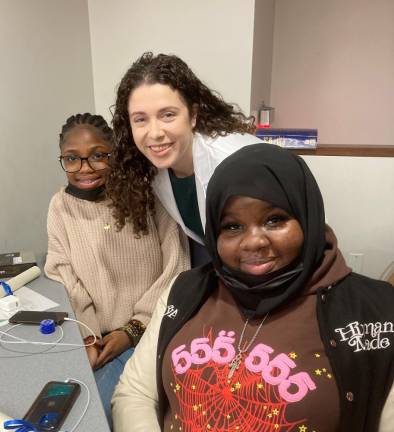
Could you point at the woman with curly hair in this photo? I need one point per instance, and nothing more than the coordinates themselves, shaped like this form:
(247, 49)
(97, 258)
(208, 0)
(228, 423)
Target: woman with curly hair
(171, 131)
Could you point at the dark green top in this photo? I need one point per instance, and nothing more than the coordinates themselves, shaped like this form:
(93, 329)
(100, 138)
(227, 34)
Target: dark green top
(185, 194)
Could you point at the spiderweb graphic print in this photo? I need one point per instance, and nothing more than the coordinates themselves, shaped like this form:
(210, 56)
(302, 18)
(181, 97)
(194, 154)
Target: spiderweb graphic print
(208, 401)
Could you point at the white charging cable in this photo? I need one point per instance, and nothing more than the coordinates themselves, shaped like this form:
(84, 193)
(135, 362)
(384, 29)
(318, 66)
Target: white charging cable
(56, 343)
(86, 406)
(21, 340)
(18, 340)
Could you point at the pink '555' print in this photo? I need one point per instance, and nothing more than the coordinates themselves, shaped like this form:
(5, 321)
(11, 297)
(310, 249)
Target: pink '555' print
(275, 371)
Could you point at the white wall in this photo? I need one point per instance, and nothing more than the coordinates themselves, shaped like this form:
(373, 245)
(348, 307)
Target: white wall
(358, 197)
(215, 37)
(45, 76)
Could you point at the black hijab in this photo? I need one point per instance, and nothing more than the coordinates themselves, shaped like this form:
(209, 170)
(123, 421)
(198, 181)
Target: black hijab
(273, 174)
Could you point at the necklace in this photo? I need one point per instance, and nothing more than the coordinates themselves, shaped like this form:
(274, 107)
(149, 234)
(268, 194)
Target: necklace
(236, 361)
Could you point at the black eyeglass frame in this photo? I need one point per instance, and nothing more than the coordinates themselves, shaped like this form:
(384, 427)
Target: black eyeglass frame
(81, 159)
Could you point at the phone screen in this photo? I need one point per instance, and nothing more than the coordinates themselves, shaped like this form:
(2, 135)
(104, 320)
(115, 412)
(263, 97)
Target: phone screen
(35, 317)
(52, 405)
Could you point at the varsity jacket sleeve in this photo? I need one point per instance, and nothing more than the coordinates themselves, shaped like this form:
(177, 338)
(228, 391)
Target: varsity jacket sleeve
(175, 259)
(387, 417)
(135, 400)
(59, 268)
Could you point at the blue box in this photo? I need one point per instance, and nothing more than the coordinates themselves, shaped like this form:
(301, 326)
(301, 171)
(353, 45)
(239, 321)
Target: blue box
(289, 138)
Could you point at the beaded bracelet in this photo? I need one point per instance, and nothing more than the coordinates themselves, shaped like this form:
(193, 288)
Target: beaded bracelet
(134, 330)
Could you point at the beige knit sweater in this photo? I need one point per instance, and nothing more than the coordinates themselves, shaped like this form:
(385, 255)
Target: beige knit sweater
(111, 277)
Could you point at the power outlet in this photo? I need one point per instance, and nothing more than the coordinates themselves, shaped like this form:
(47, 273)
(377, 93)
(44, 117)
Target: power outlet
(356, 261)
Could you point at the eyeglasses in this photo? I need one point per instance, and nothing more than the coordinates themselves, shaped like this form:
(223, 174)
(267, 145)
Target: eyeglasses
(73, 164)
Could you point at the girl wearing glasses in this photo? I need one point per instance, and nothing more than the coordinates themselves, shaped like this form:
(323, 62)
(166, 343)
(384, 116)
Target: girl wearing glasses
(113, 278)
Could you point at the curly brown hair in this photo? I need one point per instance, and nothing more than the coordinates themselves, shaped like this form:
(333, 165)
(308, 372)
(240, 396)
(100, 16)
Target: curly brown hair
(129, 182)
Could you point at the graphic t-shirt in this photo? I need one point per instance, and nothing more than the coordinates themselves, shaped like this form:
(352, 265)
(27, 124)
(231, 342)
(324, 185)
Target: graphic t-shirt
(284, 381)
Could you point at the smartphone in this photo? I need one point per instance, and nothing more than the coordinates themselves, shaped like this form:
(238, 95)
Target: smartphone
(35, 317)
(52, 405)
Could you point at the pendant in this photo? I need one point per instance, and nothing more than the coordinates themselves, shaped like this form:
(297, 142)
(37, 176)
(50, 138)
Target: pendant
(234, 365)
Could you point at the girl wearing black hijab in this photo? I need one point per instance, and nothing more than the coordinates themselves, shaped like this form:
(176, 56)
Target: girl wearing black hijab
(277, 333)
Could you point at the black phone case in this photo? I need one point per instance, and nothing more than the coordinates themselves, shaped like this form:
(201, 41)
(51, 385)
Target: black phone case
(65, 408)
(35, 317)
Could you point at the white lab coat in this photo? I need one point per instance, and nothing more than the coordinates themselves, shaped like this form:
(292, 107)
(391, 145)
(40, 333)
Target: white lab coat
(207, 154)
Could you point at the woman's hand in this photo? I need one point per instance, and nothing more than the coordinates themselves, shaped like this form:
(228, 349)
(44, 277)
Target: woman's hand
(93, 353)
(114, 344)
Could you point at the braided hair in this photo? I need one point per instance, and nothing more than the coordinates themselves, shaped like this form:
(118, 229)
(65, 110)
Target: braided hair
(95, 121)
(129, 182)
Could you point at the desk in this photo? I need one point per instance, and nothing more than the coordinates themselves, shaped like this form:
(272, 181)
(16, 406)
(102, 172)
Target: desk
(23, 375)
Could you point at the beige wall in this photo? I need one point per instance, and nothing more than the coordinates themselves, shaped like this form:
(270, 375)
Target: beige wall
(333, 69)
(263, 42)
(213, 37)
(45, 76)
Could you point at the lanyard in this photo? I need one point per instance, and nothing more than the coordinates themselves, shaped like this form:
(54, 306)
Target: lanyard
(19, 426)
(7, 289)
